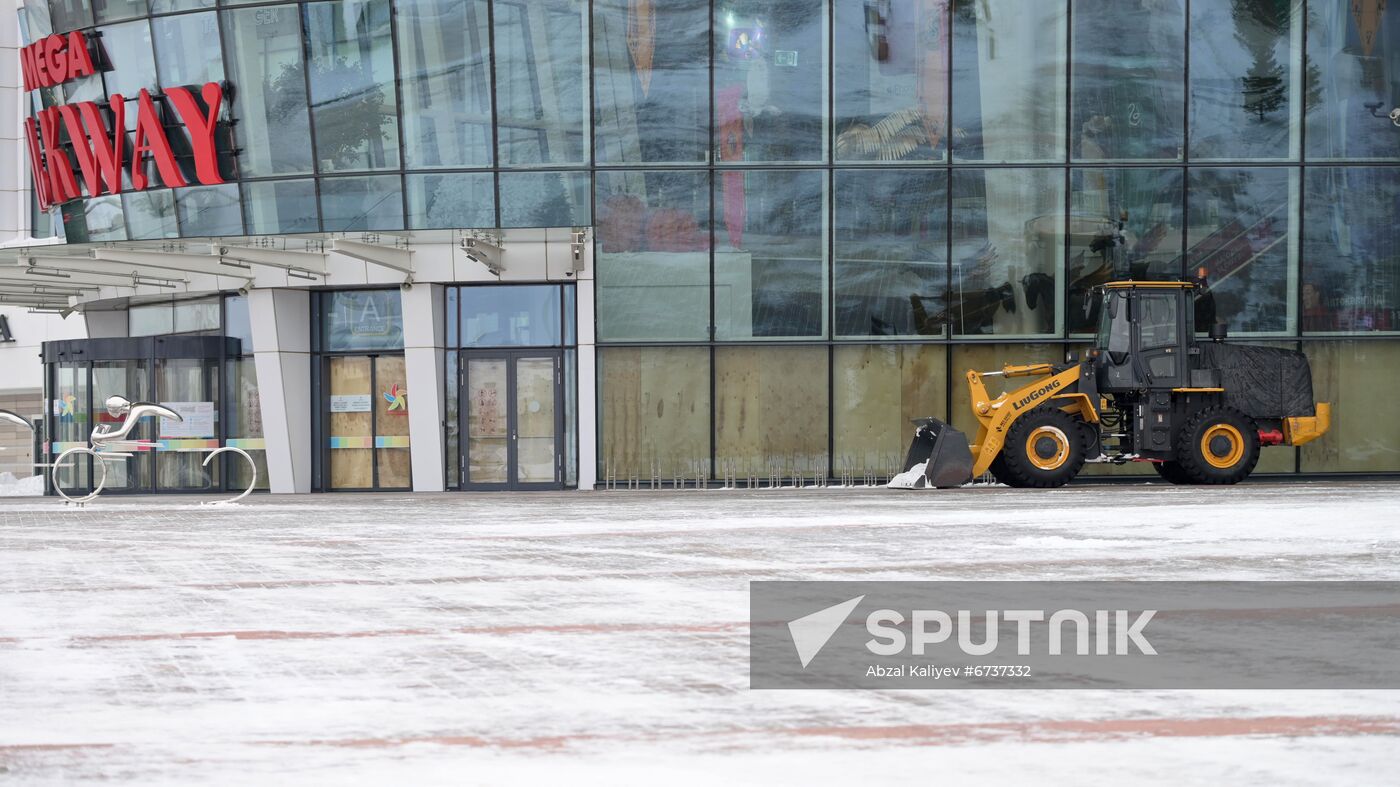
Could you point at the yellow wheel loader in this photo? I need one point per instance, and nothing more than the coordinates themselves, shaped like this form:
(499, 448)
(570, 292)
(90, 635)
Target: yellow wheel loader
(1147, 391)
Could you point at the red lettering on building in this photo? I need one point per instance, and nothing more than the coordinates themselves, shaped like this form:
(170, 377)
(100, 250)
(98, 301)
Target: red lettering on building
(201, 125)
(54, 60)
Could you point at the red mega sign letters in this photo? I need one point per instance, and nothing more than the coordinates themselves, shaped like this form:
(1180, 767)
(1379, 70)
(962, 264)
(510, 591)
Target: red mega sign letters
(97, 131)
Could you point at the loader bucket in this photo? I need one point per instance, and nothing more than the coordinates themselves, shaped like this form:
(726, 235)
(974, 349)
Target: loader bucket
(944, 453)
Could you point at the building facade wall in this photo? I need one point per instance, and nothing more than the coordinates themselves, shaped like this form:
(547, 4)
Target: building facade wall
(810, 217)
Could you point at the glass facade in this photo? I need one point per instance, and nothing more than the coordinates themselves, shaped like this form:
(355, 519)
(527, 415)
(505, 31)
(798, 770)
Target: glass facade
(786, 192)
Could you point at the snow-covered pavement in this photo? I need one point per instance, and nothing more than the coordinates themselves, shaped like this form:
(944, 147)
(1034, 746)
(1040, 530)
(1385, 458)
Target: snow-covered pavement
(602, 638)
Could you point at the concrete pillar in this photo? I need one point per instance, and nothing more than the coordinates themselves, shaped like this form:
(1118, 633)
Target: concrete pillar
(423, 340)
(281, 322)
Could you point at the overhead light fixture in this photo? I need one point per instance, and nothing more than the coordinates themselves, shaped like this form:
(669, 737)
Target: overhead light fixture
(142, 281)
(46, 272)
(294, 273)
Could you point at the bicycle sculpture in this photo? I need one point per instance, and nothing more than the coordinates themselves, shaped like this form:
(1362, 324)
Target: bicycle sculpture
(113, 443)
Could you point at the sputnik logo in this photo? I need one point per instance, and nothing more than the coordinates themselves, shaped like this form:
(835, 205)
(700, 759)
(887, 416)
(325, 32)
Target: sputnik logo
(810, 633)
(397, 398)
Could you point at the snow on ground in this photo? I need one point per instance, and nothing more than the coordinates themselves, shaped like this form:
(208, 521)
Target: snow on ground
(601, 638)
(28, 486)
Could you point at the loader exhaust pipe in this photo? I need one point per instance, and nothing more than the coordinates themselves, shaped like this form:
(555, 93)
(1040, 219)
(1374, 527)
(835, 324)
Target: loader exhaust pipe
(939, 456)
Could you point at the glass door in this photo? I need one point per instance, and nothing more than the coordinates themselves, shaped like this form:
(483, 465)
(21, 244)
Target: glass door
(511, 420)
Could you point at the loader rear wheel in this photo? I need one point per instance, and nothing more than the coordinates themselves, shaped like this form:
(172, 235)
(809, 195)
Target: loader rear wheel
(1218, 445)
(1044, 448)
(1171, 472)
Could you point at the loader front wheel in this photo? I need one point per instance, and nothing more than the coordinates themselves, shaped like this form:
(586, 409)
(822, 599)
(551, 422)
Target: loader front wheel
(1042, 449)
(1218, 445)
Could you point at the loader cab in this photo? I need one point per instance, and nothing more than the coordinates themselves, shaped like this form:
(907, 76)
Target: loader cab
(1145, 333)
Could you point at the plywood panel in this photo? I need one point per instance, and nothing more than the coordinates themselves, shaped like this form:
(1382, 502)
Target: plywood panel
(391, 420)
(655, 412)
(1358, 378)
(771, 414)
(350, 467)
(879, 389)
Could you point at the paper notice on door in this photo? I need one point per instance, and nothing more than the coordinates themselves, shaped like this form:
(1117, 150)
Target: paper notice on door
(350, 403)
(199, 420)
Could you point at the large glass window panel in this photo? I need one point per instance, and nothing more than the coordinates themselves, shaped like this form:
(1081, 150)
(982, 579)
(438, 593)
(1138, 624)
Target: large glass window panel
(878, 390)
(1353, 79)
(362, 320)
(545, 199)
(103, 218)
(1246, 60)
(352, 85)
(187, 48)
(510, 316)
(1241, 236)
(653, 256)
(72, 424)
(150, 214)
(35, 22)
(1351, 273)
(198, 316)
(891, 275)
(770, 254)
(542, 81)
(245, 427)
(127, 50)
(68, 14)
(1128, 79)
(443, 55)
(237, 322)
(1009, 80)
(655, 413)
(151, 319)
(212, 211)
(187, 385)
(1358, 378)
(452, 200)
(263, 48)
(1008, 252)
(651, 81)
(281, 206)
(891, 80)
(114, 10)
(370, 203)
(770, 81)
(168, 6)
(129, 379)
(1150, 243)
(451, 424)
(771, 412)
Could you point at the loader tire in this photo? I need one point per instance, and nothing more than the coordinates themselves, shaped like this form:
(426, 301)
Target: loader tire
(1043, 449)
(1170, 472)
(1219, 446)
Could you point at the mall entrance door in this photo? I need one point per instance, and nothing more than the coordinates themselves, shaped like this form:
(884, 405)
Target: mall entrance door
(512, 419)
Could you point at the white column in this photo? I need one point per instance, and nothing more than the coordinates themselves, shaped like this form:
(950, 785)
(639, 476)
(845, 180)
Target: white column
(423, 341)
(282, 354)
(587, 388)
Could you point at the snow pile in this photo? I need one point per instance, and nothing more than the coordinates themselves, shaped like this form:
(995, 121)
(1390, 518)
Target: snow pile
(11, 486)
(913, 478)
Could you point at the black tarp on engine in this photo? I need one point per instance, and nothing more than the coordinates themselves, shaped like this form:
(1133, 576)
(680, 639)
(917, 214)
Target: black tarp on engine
(1264, 382)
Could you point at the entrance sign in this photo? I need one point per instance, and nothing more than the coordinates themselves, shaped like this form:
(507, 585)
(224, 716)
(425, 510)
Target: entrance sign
(198, 420)
(351, 403)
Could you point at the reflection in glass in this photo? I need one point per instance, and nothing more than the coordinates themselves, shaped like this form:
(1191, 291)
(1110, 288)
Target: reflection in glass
(1008, 250)
(878, 390)
(127, 50)
(542, 81)
(771, 411)
(68, 14)
(211, 211)
(510, 316)
(545, 199)
(1128, 79)
(151, 319)
(891, 254)
(103, 219)
(770, 81)
(184, 45)
(114, 10)
(167, 6)
(654, 412)
(891, 80)
(1009, 80)
(1245, 62)
(1149, 247)
(451, 423)
(237, 323)
(150, 214)
(488, 428)
(1351, 275)
(352, 85)
(263, 47)
(536, 443)
(368, 203)
(651, 81)
(1353, 79)
(362, 320)
(443, 53)
(72, 424)
(197, 316)
(1240, 237)
(187, 382)
(130, 379)
(278, 206)
(456, 200)
(245, 426)
(770, 254)
(652, 256)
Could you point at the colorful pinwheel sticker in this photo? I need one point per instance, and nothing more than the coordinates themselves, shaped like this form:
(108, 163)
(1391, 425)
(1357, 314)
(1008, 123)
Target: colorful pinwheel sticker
(66, 407)
(397, 398)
